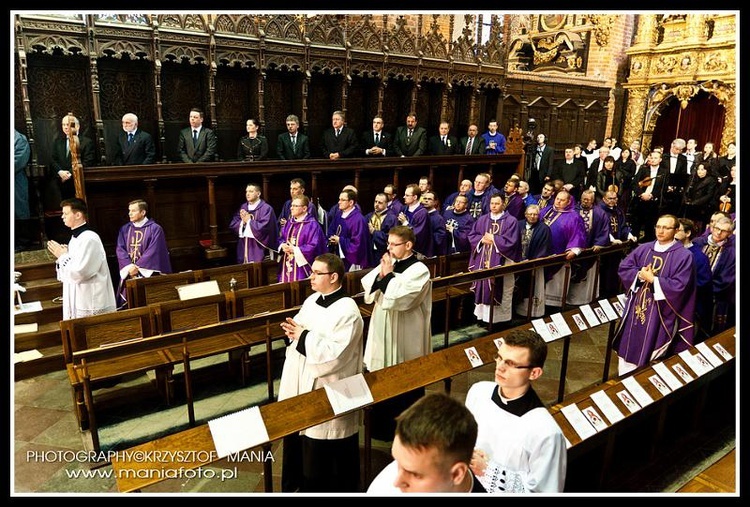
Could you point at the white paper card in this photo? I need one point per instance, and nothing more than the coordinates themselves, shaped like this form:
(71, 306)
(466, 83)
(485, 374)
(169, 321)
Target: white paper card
(621, 298)
(601, 315)
(348, 393)
(26, 355)
(541, 327)
(473, 355)
(579, 322)
(699, 367)
(594, 418)
(498, 342)
(590, 316)
(554, 331)
(608, 310)
(627, 399)
(238, 431)
(682, 372)
(618, 308)
(659, 384)
(607, 406)
(668, 377)
(25, 328)
(563, 326)
(198, 290)
(722, 351)
(34, 306)
(579, 422)
(638, 392)
(709, 354)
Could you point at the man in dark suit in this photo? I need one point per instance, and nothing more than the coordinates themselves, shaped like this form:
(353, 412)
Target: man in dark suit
(293, 144)
(443, 144)
(197, 143)
(677, 166)
(410, 140)
(61, 185)
(134, 146)
(377, 142)
(472, 144)
(339, 141)
(571, 171)
(543, 160)
(648, 194)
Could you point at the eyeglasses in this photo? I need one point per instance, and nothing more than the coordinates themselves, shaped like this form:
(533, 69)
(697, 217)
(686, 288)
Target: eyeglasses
(321, 273)
(722, 230)
(663, 228)
(396, 244)
(296, 205)
(510, 364)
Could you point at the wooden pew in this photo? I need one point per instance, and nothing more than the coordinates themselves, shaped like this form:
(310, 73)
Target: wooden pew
(106, 330)
(295, 414)
(164, 351)
(244, 276)
(155, 289)
(622, 453)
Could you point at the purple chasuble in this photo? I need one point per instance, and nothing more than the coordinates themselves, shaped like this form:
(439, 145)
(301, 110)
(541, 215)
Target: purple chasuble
(649, 328)
(506, 247)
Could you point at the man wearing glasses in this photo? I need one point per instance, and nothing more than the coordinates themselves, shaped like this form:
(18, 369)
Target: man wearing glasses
(399, 328)
(719, 247)
(324, 344)
(659, 278)
(520, 448)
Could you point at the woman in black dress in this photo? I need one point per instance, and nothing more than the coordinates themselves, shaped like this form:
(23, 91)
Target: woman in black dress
(252, 146)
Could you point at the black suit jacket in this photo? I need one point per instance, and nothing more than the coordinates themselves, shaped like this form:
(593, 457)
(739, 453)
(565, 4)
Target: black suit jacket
(284, 148)
(385, 142)
(477, 148)
(545, 163)
(205, 151)
(414, 147)
(55, 189)
(142, 151)
(345, 144)
(678, 179)
(570, 173)
(658, 191)
(435, 146)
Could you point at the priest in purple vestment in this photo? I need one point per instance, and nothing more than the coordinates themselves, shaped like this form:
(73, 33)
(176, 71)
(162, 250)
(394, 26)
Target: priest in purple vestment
(458, 224)
(584, 282)
(256, 227)
(301, 240)
(414, 215)
(660, 307)
(494, 241)
(568, 236)
(348, 234)
(141, 248)
(619, 231)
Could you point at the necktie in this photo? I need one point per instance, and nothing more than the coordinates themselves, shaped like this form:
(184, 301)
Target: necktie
(294, 141)
(195, 137)
(409, 134)
(443, 140)
(130, 138)
(377, 137)
(468, 146)
(338, 131)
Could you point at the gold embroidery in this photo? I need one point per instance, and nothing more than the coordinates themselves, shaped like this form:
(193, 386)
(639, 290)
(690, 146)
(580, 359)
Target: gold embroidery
(135, 244)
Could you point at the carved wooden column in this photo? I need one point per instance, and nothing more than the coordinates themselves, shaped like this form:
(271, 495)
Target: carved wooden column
(93, 55)
(212, 70)
(155, 44)
(215, 251)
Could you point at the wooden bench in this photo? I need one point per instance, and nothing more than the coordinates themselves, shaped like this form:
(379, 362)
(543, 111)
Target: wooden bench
(107, 330)
(163, 351)
(155, 289)
(295, 414)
